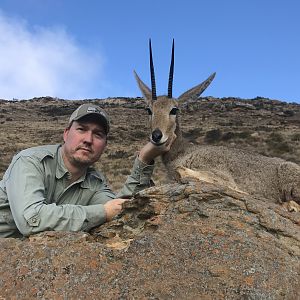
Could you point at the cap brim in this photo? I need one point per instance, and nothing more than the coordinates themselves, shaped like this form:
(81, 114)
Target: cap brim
(102, 120)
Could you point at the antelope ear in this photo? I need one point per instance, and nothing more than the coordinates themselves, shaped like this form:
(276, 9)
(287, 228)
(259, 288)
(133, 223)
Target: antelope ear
(144, 88)
(196, 91)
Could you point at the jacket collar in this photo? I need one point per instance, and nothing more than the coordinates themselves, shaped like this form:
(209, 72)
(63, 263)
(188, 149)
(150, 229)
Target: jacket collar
(62, 171)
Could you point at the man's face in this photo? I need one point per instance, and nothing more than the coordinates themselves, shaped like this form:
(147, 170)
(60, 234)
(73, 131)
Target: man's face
(84, 143)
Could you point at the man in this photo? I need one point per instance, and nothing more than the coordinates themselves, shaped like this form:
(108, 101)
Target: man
(55, 187)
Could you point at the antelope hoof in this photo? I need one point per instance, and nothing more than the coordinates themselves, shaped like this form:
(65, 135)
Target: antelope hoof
(291, 206)
(185, 175)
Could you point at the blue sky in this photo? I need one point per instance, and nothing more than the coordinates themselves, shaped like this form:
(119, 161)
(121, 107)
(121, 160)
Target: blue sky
(89, 49)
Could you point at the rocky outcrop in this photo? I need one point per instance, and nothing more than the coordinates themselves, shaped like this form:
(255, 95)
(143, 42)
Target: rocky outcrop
(176, 241)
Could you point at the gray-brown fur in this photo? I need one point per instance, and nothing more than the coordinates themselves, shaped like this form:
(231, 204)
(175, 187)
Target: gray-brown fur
(270, 178)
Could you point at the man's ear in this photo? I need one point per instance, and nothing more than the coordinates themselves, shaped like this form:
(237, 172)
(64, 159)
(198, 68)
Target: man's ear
(65, 134)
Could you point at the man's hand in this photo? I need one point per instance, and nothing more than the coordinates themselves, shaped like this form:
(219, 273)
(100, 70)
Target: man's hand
(150, 151)
(113, 207)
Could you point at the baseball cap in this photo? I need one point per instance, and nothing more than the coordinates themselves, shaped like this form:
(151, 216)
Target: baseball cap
(90, 109)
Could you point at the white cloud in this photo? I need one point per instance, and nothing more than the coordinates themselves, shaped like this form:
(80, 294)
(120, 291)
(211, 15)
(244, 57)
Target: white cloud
(44, 62)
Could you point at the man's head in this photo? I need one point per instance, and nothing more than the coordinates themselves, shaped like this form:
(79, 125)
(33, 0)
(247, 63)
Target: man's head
(86, 136)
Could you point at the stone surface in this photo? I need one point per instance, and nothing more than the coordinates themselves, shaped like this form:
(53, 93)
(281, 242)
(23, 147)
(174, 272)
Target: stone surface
(188, 241)
(175, 241)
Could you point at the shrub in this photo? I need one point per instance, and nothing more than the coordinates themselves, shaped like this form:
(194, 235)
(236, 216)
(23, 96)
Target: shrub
(213, 136)
(244, 134)
(275, 137)
(228, 136)
(295, 137)
(277, 144)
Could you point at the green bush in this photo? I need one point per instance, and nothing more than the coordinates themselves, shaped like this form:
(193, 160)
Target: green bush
(228, 136)
(213, 136)
(277, 144)
(244, 134)
(295, 137)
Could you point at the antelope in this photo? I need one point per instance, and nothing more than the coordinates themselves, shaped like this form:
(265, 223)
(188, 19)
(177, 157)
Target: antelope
(274, 179)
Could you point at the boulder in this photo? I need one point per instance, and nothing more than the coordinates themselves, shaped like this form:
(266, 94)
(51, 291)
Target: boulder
(175, 241)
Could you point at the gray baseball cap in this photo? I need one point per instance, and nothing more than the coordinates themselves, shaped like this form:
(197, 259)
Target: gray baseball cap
(90, 109)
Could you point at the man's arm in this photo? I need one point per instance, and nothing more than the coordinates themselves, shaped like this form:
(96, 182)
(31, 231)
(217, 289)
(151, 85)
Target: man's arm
(140, 177)
(26, 193)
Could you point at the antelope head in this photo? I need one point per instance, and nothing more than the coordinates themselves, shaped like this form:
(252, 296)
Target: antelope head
(163, 110)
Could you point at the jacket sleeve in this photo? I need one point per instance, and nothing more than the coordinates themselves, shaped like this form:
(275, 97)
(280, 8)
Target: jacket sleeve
(26, 194)
(139, 179)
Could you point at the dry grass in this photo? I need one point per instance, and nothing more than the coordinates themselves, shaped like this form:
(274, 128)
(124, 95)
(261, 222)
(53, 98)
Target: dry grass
(268, 129)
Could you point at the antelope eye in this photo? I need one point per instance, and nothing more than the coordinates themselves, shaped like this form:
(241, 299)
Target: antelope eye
(174, 111)
(149, 111)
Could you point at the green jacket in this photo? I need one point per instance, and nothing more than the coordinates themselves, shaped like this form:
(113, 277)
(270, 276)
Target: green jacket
(35, 195)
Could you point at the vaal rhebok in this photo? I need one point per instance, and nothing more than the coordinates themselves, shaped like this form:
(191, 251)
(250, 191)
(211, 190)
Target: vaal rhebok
(274, 179)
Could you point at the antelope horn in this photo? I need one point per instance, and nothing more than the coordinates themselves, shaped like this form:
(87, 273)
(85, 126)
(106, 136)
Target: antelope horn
(171, 73)
(153, 86)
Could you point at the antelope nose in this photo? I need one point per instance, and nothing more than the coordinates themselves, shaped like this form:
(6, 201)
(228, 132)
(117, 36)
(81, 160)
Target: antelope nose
(156, 135)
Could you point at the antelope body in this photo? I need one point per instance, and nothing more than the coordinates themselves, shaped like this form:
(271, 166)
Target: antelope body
(271, 178)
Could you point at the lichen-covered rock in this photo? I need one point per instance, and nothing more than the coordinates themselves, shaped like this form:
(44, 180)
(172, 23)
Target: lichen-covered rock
(177, 241)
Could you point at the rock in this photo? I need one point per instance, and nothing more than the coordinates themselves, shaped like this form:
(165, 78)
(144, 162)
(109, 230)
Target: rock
(176, 241)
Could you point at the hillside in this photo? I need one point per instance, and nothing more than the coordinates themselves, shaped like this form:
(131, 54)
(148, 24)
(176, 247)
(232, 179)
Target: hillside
(266, 126)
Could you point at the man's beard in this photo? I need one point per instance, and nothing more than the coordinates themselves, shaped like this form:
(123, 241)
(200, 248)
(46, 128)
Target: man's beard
(82, 160)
